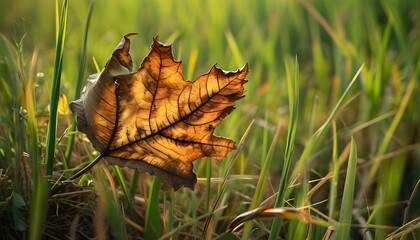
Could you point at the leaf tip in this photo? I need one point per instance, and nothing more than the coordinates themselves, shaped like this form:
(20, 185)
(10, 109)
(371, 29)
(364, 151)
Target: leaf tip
(244, 68)
(130, 34)
(122, 51)
(161, 46)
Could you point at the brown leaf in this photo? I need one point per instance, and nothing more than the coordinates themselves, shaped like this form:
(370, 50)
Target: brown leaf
(153, 119)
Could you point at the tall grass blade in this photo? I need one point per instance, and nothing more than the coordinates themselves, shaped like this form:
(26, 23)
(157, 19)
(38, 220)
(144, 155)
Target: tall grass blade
(293, 90)
(262, 181)
(335, 173)
(310, 145)
(154, 223)
(208, 184)
(169, 206)
(125, 189)
(343, 231)
(234, 48)
(37, 215)
(298, 229)
(108, 195)
(206, 230)
(80, 81)
(11, 79)
(55, 90)
(134, 184)
(393, 127)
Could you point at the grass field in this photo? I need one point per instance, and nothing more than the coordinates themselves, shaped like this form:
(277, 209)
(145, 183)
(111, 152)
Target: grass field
(327, 135)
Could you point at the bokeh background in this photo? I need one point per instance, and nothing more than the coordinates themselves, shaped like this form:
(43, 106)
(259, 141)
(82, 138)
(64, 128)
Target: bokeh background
(326, 40)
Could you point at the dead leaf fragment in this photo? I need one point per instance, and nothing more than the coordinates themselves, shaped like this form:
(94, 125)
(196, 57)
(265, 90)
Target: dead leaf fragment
(153, 119)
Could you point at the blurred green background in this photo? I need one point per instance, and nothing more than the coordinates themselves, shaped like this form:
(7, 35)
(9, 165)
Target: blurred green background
(329, 39)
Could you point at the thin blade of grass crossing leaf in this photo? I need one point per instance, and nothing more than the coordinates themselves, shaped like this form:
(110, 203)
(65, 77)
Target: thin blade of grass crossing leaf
(343, 231)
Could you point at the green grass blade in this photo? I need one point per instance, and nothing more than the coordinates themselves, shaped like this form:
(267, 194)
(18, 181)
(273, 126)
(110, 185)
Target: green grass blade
(388, 189)
(169, 208)
(55, 90)
(208, 184)
(134, 184)
(308, 150)
(125, 189)
(38, 208)
(9, 76)
(223, 185)
(310, 145)
(37, 215)
(335, 174)
(262, 181)
(298, 229)
(393, 127)
(108, 194)
(193, 208)
(235, 49)
(154, 224)
(346, 209)
(293, 90)
(80, 81)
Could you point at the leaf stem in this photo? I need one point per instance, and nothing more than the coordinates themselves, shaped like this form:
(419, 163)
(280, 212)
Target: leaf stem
(58, 188)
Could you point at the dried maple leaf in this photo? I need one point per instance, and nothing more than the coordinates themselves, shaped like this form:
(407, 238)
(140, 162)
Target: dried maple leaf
(153, 119)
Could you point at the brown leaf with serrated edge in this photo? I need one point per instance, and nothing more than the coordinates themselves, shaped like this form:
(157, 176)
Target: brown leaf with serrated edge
(153, 119)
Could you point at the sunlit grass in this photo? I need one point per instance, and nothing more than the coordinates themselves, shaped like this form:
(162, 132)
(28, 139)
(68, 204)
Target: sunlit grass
(308, 104)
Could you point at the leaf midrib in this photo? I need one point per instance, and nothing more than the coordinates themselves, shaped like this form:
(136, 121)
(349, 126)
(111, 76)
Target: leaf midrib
(109, 151)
